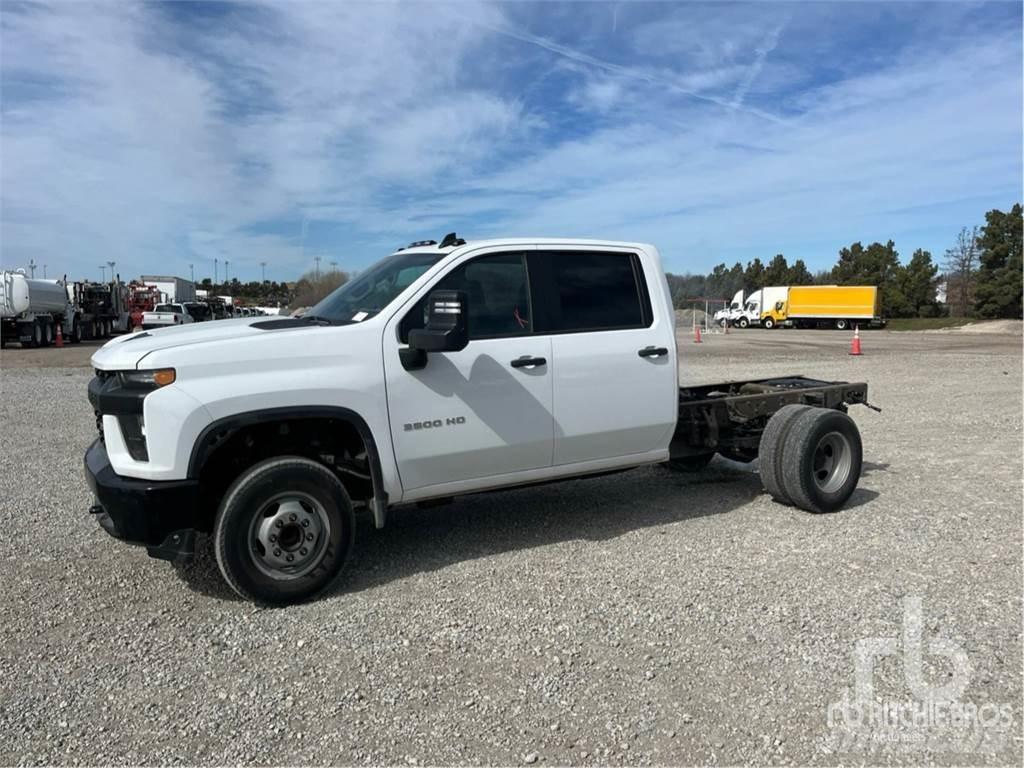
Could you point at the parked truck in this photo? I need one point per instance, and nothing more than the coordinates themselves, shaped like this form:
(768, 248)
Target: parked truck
(444, 369)
(828, 306)
(175, 290)
(31, 310)
(753, 309)
(728, 314)
(101, 309)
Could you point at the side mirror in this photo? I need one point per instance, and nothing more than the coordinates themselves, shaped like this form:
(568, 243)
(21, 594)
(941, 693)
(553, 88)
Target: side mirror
(447, 329)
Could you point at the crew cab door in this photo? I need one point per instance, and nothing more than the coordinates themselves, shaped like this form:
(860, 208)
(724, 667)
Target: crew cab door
(615, 376)
(485, 410)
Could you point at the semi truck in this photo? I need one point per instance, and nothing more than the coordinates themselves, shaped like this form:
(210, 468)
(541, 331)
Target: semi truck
(753, 309)
(445, 369)
(730, 312)
(32, 309)
(101, 309)
(829, 306)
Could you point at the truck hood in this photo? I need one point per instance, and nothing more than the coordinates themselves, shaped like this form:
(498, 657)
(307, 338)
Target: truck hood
(126, 352)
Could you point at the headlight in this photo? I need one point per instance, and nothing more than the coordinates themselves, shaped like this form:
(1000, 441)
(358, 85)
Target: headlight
(148, 379)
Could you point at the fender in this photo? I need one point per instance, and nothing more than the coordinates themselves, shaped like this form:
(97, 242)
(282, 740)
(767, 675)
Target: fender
(202, 447)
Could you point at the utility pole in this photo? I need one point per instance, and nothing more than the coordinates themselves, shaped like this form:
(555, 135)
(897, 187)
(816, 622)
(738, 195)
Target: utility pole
(226, 263)
(103, 273)
(214, 271)
(334, 266)
(317, 260)
(192, 271)
(44, 271)
(32, 267)
(111, 265)
(263, 271)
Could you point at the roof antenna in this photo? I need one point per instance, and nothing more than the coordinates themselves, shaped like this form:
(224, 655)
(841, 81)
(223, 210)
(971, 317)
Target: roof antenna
(451, 239)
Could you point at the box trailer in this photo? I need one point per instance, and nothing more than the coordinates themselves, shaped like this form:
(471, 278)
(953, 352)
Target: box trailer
(175, 289)
(831, 306)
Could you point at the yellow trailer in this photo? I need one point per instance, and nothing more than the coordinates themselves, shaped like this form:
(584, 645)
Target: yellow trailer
(835, 306)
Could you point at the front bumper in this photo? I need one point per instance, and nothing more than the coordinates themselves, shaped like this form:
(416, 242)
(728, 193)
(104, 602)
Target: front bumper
(159, 515)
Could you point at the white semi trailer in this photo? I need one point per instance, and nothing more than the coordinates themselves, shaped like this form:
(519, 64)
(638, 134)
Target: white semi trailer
(31, 310)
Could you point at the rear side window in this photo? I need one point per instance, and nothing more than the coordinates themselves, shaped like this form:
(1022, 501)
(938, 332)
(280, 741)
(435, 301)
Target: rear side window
(591, 291)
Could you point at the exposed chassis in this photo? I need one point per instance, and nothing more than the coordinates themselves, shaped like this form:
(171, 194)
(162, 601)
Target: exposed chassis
(729, 418)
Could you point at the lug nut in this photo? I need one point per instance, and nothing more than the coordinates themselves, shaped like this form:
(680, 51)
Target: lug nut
(302, 551)
(277, 553)
(279, 524)
(293, 517)
(309, 537)
(273, 538)
(290, 558)
(305, 523)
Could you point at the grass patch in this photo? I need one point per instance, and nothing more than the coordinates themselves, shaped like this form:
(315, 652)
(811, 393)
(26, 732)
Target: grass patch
(926, 323)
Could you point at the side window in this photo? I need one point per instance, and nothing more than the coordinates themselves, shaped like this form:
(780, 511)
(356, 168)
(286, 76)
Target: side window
(593, 292)
(499, 299)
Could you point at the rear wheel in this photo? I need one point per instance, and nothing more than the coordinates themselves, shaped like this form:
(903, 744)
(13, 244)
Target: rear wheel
(47, 329)
(773, 441)
(842, 325)
(821, 460)
(37, 333)
(284, 531)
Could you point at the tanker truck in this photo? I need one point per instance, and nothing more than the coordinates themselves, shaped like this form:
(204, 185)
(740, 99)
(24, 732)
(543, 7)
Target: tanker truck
(31, 310)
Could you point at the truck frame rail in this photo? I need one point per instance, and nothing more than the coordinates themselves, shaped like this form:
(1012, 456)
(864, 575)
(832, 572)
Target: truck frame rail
(728, 418)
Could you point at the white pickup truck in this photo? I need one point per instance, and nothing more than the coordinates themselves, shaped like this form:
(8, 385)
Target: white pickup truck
(444, 369)
(165, 315)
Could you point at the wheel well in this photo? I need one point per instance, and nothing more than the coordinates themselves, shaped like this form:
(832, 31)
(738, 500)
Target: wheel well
(336, 443)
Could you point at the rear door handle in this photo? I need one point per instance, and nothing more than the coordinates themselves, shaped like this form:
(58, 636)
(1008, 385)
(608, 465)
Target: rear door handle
(652, 352)
(528, 362)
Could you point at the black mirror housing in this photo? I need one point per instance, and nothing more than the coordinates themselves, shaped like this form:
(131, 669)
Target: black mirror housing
(447, 323)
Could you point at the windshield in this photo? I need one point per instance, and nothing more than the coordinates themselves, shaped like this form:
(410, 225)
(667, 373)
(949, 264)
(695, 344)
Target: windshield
(370, 291)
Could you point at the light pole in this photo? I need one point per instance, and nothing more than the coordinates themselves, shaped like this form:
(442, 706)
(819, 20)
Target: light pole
(317, 260)
(334, 266)
(111, 265)
(192, 271)
(263, 271)
(32, 267)
(103, 273)
(226, 263)
(214, 271)
(44, 271)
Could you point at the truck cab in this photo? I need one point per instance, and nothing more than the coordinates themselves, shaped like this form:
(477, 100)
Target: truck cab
(443, 369)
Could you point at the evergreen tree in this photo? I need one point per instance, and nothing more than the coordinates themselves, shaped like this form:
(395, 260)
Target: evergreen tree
(998, 291)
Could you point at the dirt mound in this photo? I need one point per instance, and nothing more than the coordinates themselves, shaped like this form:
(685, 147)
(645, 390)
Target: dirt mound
(1014, 327)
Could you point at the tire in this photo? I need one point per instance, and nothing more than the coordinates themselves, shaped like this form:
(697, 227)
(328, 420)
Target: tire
(690, 463)
(743, 322)
(294, 497)
(773, 441)
(37, 334)
(76, 332)
(821, 460)
(768, 323)
(842, 325)
(47, 333)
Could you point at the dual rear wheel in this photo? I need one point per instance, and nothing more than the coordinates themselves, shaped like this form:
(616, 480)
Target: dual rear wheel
(811, 457)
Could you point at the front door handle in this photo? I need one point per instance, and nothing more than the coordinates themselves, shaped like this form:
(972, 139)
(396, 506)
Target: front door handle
(528, 362)
(652, 352)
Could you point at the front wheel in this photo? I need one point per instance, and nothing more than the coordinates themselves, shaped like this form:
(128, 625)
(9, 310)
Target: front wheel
(743, 322)
(284, 531)
(769, 323)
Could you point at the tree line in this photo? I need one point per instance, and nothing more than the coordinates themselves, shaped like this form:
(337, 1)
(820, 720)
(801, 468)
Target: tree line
(982, 273)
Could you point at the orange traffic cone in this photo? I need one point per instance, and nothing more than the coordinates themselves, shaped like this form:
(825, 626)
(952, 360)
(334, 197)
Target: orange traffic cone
(696, 335)
(60, 336)
(855, 343)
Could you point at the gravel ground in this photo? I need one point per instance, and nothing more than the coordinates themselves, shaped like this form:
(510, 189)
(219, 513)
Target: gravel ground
(634, 619)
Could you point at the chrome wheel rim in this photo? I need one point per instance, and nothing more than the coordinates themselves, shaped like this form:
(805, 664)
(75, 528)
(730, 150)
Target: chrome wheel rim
(832, 460)
(288, 535)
